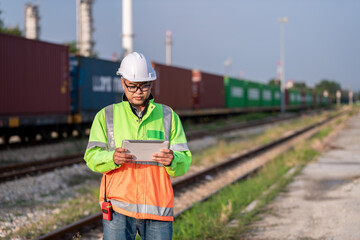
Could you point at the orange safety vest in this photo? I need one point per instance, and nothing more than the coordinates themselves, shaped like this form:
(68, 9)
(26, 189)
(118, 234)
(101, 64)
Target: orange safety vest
(140, 190)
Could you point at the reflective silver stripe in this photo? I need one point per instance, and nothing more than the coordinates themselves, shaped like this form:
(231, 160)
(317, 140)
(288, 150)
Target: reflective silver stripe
(142, 208)
(148, 163)
(167, 121)
(179, 147)
(110, 127)
(96, 144)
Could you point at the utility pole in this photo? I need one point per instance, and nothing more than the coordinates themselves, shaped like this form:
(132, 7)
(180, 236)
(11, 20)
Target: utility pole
(168, 42)
(282, 22)
(127, 28)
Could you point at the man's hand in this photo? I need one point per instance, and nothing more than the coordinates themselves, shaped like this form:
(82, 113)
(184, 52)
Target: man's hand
(165, 157)
(121, 157)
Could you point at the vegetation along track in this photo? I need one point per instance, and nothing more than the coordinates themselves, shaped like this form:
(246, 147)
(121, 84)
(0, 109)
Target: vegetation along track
(190, 182)
(15, 171)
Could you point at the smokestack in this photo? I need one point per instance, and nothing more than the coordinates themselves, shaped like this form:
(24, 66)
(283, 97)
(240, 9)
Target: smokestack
(168, 42)
(85, 29)
(32, 28)
(127, 31)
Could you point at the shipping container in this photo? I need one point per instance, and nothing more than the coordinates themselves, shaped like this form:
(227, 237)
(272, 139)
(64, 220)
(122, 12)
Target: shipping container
(266, 95)
(309, 98)
(253, 94)
(276, 96)
(94, 85)
(208, 90)
(173, 87)
(235, 93)
(293, 97)
(34, 78)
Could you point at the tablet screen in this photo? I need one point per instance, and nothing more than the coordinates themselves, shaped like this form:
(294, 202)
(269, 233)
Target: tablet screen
(144, 149)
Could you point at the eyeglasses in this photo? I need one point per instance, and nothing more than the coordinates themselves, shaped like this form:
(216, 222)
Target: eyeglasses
(143, 88)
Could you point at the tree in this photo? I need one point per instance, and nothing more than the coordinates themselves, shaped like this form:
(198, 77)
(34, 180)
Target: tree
(10, 30)
(72, 47)
(330, 86)
(301, 86)
(274, 82)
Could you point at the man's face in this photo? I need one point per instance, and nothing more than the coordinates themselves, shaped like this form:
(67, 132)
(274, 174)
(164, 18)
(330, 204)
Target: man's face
(136, 92)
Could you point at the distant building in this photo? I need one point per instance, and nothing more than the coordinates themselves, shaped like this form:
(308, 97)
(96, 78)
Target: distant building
(32, 18)
(85, 27)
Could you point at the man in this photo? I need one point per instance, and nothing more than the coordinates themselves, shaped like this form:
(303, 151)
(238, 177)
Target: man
(140, 192)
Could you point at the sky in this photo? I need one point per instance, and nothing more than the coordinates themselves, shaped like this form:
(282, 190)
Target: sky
(322, 37)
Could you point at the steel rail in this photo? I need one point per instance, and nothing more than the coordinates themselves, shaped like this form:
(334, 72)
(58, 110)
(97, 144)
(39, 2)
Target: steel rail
(16, 171)
(70, 230)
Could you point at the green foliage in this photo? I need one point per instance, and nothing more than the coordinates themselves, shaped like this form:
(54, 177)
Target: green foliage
(330, 86)
(274, 82)
(9, 30)
(301, 86)
(72, 47)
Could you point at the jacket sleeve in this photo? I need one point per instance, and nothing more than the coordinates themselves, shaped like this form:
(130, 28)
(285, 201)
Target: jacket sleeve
(182, 155)
(97, 156)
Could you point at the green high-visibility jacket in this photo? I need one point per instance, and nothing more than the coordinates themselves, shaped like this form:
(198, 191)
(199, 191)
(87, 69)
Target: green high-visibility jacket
(117, 122)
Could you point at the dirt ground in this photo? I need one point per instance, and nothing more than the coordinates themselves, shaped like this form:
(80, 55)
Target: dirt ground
(323, 202)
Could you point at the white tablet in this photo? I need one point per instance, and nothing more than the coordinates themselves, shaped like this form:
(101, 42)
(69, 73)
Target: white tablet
(144, 149)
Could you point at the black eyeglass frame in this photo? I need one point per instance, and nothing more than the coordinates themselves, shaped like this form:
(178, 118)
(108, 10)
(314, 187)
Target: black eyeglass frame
(141, 87)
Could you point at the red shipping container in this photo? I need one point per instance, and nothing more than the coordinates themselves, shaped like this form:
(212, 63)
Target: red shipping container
(34, 77)
(173, 87)
(208, 90)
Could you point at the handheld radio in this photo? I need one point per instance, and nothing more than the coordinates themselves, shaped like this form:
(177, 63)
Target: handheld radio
(106, 206)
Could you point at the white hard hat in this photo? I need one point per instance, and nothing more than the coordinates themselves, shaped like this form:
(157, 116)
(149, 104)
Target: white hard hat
(135, 67)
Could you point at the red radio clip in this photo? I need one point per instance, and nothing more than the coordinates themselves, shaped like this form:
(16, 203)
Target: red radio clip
(106, 208)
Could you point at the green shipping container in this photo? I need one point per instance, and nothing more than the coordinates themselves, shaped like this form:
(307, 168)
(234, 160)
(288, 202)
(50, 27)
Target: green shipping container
(235, 92)
(253, 94)
(266, 95)
(309, 98)
(276, 96)
(295, 97)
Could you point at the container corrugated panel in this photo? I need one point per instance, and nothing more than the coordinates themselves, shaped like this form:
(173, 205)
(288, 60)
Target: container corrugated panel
(266, 95)
(295, 97)
(34, 77)
(309, 98)
(211, 91)
(173, 87)
(94, 84)
(253, 94)
(276, 95)
(235, 93)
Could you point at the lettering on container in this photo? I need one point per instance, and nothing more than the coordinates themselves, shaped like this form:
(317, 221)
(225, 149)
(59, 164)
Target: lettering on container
(101, 84)
(237, 92)
(267, 95)
(253, 94)
(106, 84)
(117, 87)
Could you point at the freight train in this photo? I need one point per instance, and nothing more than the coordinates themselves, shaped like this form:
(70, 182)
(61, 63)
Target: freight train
(44, 90)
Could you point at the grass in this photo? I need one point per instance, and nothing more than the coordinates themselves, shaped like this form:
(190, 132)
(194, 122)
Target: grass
(232, 144)
(206, 220)
(72, 210)
(209, 220)
(210, 124)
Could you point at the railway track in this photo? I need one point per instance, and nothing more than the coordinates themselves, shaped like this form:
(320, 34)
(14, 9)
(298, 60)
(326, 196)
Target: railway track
(194, 179)
(16, 171)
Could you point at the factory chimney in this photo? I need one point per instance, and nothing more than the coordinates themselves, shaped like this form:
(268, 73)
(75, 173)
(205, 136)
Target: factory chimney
(168, 42)
(127, 31)
(84, 28)
(32, 28)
